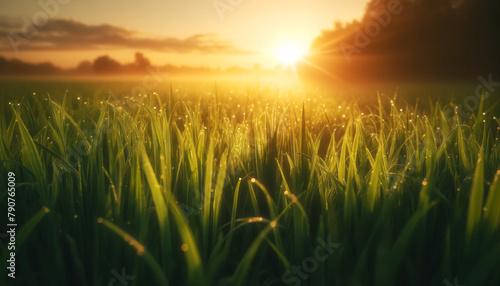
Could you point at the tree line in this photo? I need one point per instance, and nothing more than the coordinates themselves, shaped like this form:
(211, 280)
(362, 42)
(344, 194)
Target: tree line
(413, 40)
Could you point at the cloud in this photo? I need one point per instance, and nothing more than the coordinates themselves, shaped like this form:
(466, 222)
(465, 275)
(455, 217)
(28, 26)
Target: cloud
(72, 35)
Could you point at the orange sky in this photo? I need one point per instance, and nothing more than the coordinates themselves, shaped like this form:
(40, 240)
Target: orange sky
(188, 32)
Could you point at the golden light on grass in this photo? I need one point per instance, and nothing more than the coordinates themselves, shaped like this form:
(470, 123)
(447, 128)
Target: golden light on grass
(255, 219)
(138, 246)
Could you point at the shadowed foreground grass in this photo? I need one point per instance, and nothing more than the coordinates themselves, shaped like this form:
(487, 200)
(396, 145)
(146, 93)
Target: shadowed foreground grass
(175, 191)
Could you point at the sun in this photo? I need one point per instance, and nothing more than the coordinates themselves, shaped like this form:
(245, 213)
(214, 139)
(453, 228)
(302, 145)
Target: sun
(289, 54)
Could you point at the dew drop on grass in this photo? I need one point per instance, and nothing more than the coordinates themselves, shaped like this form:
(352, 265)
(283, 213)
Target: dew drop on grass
(184, 247)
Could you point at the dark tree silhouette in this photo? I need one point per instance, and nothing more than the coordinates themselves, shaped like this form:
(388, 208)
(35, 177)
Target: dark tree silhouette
(141, 62)
(105, 64)
(15, 67)
(428, 40)
(85, 67)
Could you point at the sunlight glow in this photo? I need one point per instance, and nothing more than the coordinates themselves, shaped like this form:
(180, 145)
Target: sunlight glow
(289, 54)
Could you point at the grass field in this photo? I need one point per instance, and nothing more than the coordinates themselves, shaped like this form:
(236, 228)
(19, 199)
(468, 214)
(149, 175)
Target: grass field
(208, 186)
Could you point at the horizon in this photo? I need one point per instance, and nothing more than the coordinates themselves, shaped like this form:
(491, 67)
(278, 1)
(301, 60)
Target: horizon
(214, 34)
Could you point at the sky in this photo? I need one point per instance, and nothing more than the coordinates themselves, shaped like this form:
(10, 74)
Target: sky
(218, 33)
